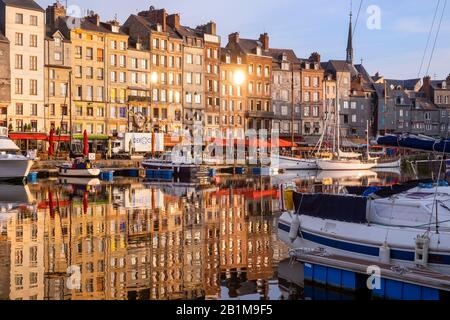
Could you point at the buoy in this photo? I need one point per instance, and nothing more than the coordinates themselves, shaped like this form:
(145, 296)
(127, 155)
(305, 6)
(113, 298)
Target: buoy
(295, 225)
(385, 253)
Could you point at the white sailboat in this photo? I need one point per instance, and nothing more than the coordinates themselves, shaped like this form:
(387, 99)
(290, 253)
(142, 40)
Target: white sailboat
(12, 164)
(404, 227)
(346, 160)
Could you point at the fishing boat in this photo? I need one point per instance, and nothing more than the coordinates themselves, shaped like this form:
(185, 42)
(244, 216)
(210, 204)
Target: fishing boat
(405, 224)
(12, 165)
(80, 168)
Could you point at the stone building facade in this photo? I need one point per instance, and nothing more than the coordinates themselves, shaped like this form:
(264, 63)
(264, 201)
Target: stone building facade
(23, 24)
(286, 93)
(5, 80)
(255, 55)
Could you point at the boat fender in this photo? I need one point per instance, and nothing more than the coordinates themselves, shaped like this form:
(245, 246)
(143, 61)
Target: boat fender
(422, 250)
(385, 253)
(295, 226)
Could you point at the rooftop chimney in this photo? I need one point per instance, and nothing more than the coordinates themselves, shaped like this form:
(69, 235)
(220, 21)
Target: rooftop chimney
(233, 37)
(264, 39)
(52, 13)
(315, 57)
(156, 16)
(426, 88)
(173, 20)
(94, 18)
(209, 28)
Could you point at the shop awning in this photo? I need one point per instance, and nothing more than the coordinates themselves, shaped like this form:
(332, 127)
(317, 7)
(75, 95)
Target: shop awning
(27, 136)
(91, 137)
(37, 136)
(286, 144)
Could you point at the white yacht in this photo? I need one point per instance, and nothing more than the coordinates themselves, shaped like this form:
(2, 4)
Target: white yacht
(12, 164)
(405, 224)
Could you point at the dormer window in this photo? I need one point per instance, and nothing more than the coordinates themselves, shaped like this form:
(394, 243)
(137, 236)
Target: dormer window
(444, 85)
(284, 57)
(239, 60)
(228, 58)
(159, 27)
(57, 42)
(115, 29)
(258, 51)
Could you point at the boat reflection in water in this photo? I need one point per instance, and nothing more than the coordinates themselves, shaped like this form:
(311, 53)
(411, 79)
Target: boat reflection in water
(136, 240)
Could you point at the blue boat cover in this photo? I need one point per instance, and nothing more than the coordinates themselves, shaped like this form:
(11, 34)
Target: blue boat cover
(415, 142)
(329, 206)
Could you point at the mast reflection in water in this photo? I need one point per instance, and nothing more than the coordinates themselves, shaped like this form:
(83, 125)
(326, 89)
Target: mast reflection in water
(132, 239)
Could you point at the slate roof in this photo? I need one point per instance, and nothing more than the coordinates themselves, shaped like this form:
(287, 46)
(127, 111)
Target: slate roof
(66, 24)
(437, 84)
(151, 26)
(409, 84)
(277, 55)
(24, 4)
(247, 46)
(423, 103)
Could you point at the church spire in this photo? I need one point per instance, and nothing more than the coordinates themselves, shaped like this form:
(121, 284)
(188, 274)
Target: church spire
(350, 42)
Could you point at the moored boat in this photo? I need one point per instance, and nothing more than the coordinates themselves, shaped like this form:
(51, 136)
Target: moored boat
(180, 170)
(12, 165)
(80, 168)
(406, 225)
(345, 164)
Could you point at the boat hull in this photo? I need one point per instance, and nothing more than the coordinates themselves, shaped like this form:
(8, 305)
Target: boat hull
(179, 171)
(15, 168)
(79, 173)
(364, 241)
(289, 163)
(388, 164)
(331, 165)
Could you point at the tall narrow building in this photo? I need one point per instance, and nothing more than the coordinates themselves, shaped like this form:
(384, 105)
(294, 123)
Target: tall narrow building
(22, 23)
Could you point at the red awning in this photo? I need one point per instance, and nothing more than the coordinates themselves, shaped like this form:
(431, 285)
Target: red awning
(27, 136)
(36, 136)
(248, 143)
(285, 144)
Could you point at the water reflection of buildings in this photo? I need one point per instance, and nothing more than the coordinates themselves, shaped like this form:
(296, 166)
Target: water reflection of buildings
(136, 241)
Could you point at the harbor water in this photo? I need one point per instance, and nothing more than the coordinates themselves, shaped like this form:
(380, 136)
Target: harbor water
(136, 239)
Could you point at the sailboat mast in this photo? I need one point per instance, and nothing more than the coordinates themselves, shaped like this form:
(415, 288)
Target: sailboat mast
(70, 111)
(367, 135)
(338, 123)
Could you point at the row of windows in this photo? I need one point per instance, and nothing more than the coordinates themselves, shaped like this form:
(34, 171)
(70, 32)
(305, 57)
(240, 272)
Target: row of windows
(32, 62)
(20, 125)
(231, 120)
(162, 45)
(166, 61)
(20, 19)
(33, 109)
(19, 40)
(33, 86)
(258, 88)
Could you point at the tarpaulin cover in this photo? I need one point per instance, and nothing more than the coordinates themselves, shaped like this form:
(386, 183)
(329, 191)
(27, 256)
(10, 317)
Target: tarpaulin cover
(334, 207)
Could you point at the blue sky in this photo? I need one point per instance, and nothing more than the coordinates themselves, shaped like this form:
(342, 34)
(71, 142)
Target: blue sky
(395, 50)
